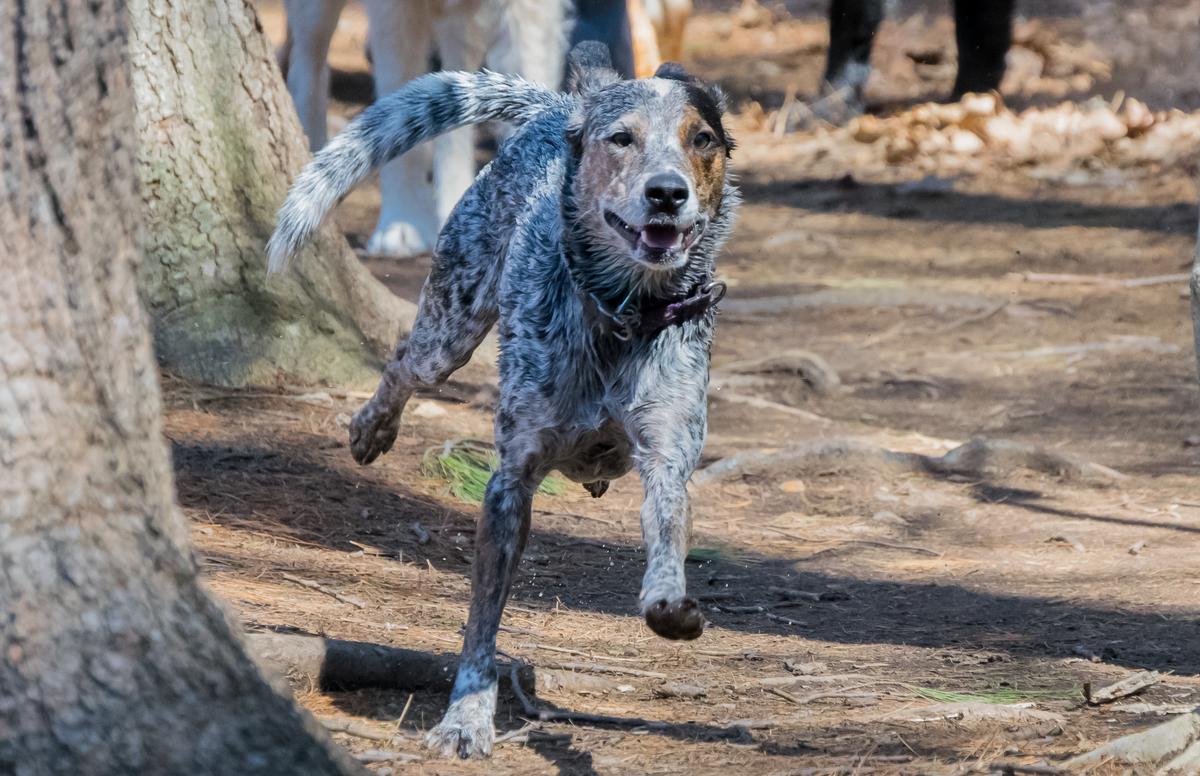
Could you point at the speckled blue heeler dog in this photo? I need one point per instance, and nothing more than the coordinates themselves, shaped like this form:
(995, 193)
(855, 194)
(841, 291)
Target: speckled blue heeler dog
(591, 237)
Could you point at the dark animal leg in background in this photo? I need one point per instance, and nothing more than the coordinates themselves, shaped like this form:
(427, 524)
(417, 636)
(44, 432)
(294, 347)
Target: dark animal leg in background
(852, 26)
(608, 22)
(983, 32)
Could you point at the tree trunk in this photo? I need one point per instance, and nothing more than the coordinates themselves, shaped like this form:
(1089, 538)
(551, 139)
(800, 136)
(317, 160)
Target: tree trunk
(219, 142)
(112, 658)
(1195, 285)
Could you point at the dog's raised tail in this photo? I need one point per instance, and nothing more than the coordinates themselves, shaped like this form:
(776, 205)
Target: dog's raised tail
(422, 109)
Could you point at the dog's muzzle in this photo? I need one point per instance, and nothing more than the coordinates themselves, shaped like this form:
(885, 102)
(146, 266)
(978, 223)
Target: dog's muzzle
(661, 239)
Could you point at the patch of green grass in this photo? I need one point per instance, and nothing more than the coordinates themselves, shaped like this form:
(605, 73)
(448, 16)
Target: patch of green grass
(468, 464)
(998, 695)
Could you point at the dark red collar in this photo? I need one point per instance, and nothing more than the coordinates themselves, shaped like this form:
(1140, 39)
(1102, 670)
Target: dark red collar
(644, 321)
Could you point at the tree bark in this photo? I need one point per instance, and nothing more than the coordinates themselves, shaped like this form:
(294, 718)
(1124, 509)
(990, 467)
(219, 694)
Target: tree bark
(219, 142)
(113, 660)
(1195, 287)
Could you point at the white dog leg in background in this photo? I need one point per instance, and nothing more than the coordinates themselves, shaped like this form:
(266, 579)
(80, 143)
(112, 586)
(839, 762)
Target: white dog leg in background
(310, 29)
(462, 35)
(531, 40)
(400, 36)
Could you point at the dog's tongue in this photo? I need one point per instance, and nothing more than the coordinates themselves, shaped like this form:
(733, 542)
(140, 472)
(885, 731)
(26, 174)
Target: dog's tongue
(660, 236)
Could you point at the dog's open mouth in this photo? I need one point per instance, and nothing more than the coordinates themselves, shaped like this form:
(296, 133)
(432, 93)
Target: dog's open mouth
(659, 239)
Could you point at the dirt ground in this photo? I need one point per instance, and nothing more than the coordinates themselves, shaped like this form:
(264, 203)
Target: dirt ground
(953, 301)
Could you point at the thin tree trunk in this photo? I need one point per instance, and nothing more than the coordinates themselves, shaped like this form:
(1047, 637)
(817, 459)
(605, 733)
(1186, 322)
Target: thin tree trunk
(1195, 285)
(112, 658)
(218, 143)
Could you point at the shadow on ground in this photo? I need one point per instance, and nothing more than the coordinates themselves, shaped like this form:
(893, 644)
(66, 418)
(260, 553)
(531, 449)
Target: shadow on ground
(260, 486)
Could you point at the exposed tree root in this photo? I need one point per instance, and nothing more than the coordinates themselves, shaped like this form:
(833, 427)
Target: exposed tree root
(809, 367)
(333, 664)
(1175, 744)
(900, 296)
(979, 457)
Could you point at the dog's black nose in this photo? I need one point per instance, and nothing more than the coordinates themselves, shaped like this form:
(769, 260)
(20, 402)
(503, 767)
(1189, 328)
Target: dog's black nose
(667, 192)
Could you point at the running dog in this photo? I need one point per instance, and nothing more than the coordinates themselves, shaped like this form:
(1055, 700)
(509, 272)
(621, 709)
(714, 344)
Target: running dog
(591, 238)
(526, 37)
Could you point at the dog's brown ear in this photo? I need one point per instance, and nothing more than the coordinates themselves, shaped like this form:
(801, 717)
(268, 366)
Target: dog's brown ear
(709, 102)
(589, 68)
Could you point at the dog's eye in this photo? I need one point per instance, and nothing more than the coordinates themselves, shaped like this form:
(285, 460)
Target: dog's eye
(621, 139)
(702, 140)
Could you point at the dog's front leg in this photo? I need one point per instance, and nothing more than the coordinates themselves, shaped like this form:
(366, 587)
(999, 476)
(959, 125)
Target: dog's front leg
(668, 425)
(467, 728)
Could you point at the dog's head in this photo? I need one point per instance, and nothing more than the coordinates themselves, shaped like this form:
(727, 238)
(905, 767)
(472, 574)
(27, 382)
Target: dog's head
(650, 164)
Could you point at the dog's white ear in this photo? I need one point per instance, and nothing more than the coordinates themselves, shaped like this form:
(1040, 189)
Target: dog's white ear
(589, 68)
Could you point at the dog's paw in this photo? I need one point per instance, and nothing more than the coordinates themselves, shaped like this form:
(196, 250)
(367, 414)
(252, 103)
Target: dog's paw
(678, 620)
(373, 432)
(397, 240)
(466, 730)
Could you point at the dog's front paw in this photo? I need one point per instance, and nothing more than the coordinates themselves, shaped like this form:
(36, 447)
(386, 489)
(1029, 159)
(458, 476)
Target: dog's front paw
(679, 620)
(397, 240)
(466, 730)
(373, 431)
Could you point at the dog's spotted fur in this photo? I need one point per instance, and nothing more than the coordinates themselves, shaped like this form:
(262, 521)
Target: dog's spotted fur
(561, 224)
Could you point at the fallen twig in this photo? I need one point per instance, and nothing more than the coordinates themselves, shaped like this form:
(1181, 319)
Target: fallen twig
(868, 542)
(404, 711)
(967, 320)
(788, 592)
(311, 585)
(603, 668)
(566, 651)
(353, 727)
(376, 552)
(784, 620)
(767, 404)
(526, 733)
(1014, 768)
(576, 515)
(787, 696)
(755, 608)
(386, 756)
(1122, 689)
(1122, 344)
(1100, 280)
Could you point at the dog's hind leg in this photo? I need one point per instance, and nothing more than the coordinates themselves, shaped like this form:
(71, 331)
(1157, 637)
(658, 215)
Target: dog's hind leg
(457, 308)
(668, 424)
(467, 727)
